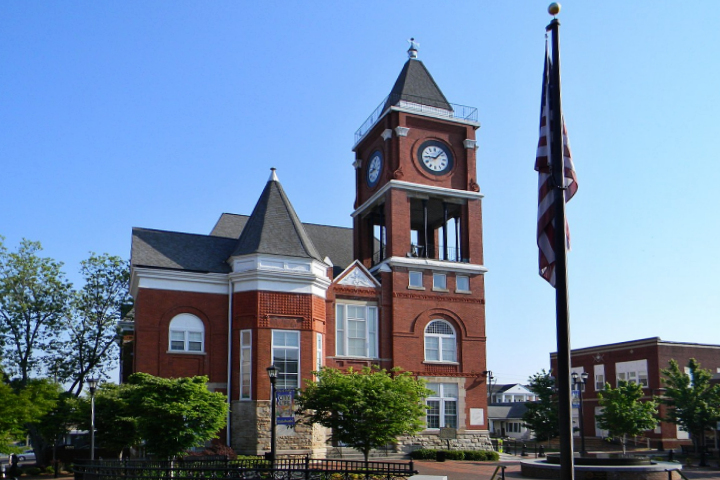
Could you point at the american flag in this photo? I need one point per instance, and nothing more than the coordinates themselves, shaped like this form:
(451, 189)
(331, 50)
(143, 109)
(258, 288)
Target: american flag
(546, 185)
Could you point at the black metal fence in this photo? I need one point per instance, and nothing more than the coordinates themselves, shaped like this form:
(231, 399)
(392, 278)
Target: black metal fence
(295, 468)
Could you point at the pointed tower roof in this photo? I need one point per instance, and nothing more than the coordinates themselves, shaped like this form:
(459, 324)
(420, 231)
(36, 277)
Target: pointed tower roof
(274, 227)
(416, 85)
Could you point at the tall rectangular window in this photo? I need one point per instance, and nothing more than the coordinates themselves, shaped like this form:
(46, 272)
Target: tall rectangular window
(443, 411)
(245, 364)
(415, 279)
(318, 351)
(599, 371)
(286, 357)
(356, 327)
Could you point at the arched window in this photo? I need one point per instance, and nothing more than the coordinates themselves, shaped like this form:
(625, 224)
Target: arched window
(440, 342)
(187, 334)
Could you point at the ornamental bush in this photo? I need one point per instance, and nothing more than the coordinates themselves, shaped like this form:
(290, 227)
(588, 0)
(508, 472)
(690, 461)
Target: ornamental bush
(474, 455)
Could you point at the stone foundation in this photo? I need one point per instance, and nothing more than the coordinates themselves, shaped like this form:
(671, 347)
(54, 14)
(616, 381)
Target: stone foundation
(250, 433)
(466, 440)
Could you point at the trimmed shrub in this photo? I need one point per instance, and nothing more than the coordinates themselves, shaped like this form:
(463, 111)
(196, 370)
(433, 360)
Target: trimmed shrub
(474, 455)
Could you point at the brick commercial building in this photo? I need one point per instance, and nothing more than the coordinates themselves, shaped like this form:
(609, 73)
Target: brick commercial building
(403, 287)
(638, 361)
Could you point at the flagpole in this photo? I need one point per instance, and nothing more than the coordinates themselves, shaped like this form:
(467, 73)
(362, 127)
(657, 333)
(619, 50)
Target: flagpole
(567, 470)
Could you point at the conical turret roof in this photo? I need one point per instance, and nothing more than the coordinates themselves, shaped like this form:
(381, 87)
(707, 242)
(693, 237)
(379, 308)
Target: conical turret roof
(274, 227)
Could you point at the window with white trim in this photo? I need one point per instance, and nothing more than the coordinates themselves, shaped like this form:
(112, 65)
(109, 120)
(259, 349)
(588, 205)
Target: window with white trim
(462, 283)
(443, 403)
(318, 351)
(632, 372)
(245, 364)
(440, 342)
(286, 357)
(415, 279)
(599, 371)
(356, 328)
(187, 334)
(440, 281)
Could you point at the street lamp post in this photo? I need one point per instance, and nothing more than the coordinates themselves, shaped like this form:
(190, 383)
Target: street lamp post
(272, 371)
(92, 385)
(579, 383)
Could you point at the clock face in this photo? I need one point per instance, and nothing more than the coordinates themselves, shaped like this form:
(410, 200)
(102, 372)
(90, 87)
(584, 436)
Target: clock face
(435, 157)
(374, 168)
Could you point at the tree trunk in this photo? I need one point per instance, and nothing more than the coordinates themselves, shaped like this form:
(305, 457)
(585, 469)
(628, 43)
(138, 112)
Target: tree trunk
(623, 440)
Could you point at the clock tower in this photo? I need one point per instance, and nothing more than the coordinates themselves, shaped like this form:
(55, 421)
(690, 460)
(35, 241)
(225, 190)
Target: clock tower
(417, 228)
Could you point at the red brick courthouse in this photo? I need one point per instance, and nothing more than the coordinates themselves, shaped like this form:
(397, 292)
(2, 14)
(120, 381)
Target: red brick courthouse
(403, 287)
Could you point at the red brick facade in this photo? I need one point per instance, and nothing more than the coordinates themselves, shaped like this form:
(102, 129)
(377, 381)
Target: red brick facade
(658, 354)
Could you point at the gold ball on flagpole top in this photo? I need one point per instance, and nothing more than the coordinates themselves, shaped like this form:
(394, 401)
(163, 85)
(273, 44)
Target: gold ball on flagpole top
(554, 8)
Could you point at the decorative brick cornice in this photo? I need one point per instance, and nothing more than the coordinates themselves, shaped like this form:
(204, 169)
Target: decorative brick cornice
(415, 296)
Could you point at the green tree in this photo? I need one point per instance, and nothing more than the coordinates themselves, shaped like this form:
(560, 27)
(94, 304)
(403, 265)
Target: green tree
(34, 299)
(23, 409)
(541, 415)
(116, 423)
(92, 326)
(623, 413)
(365, 409)
(693, 402)
(173, 415)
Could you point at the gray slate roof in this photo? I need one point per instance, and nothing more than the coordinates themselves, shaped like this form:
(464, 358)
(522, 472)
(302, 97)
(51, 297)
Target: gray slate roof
(180, 251)
(415, 84)
(274, 228)
(506, 410)
(209, 253)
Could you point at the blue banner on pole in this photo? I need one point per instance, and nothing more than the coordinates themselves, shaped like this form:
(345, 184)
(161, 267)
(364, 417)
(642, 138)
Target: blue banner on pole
(285, 402)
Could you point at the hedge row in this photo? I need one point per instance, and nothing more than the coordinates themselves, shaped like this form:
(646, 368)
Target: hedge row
(477, 455)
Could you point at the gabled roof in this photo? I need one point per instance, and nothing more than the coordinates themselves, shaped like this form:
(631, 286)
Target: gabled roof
(416, 85)
(274, 227)
(506, 411)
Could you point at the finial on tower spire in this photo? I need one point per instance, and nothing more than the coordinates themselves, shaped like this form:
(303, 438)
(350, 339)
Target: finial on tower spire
(273, 175)
(412, 51)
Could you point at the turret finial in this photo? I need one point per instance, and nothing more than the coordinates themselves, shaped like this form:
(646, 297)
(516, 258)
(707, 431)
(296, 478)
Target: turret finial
(273, 175)
(412, 51)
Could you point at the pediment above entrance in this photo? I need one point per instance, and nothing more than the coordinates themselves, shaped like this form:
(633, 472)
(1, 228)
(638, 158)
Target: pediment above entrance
(356, 275)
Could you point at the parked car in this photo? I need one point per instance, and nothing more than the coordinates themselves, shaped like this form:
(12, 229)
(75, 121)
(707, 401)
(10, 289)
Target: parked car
(26, 455)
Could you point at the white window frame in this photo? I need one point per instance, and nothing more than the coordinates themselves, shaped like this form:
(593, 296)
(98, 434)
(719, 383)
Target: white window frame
(283, 376)
(436, 278)
(245, 364)
(318, 351)
(465, 278)
(442, 339)
(599, 376)
(369, 335)
(186, 325)
(634, 371)
(444, 396)
(418, 275)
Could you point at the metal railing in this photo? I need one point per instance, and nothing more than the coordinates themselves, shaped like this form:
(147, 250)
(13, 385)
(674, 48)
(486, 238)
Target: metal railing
(418, 104)
(295, 468)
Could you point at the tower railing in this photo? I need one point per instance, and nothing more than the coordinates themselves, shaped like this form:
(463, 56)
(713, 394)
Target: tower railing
(418, 104)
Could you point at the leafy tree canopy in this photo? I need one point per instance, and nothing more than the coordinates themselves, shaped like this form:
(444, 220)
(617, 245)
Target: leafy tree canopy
(34, 296)
(541, 416)
(173, 414)
(365, 409)
(694, 403)
(624, 413)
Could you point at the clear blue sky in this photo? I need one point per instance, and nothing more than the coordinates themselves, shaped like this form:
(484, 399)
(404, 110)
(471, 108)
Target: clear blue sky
(166, 114)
